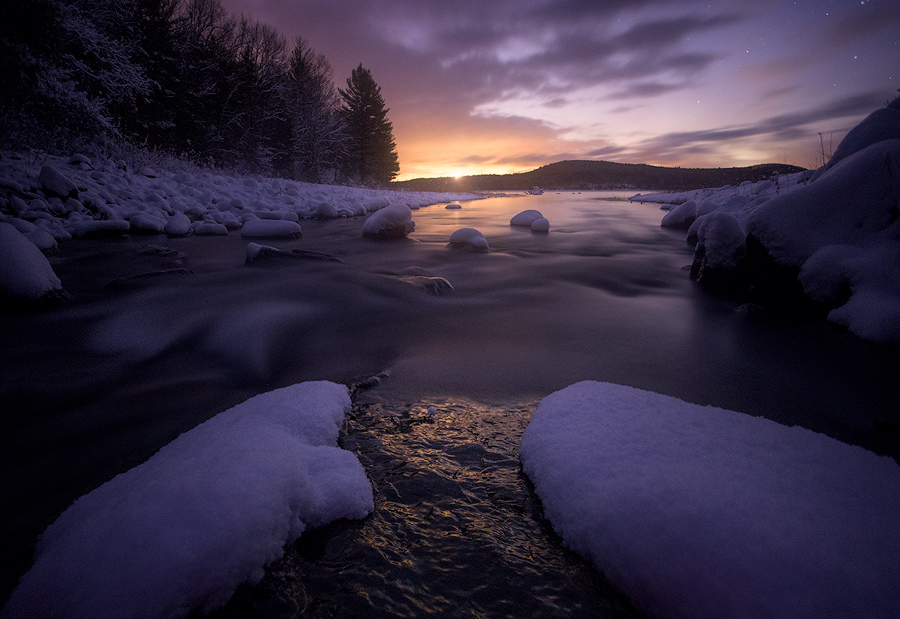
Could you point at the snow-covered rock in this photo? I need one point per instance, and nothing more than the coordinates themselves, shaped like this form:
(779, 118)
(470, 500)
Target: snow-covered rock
(525, 218)
(721, 246)
(391, 222)
(270, 228)
(99, 227)
(209, 228)
(453, 207)
(178, 224)
(56, 183)
(540, 225)
(206, 513)
(832, 236)
(697, 512)
(25, 272)
(468, 238)
(680, 217)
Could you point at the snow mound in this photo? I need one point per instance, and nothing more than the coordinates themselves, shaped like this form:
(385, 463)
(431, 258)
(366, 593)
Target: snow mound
(203, 515)
(469, 238)
(25, 273)
(525, 218)
(391, 222)
(699, 512)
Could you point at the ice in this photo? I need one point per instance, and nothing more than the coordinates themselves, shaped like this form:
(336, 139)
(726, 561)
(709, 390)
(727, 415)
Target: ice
(699, 512)
(203, 515)
(468, 238)
(25, 273)
(525, 218)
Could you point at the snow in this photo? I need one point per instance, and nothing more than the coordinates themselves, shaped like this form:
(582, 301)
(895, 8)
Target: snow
(837, 227)
(525, 218)
(468, 238)
(25, 273)
(699, 512)
(203, 515)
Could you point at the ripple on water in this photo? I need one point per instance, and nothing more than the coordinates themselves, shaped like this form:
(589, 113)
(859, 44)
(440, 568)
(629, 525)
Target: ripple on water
(457, 530)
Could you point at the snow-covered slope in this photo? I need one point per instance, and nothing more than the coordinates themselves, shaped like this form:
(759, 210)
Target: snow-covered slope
(702, 513)
(836, 231)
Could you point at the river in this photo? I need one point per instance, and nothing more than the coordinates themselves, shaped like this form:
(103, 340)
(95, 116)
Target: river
(95, 387)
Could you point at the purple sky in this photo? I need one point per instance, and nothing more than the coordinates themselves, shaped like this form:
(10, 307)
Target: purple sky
(494, 86)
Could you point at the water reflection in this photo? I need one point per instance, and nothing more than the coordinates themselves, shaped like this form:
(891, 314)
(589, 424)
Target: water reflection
(456, 531)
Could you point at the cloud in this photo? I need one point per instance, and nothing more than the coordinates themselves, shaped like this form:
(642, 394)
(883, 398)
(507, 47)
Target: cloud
(785, 127)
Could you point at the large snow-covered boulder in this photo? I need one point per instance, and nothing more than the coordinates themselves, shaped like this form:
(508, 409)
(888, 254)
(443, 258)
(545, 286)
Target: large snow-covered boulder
(698, 512)
(56, 183)
(25, 272)
(391, 222)
(206, 513)
(882, 124)
(680, 217)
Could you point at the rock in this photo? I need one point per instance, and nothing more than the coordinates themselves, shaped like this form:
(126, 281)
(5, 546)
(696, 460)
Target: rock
(270, 228)
(540, 225)
(453, 207)
(526, 218)
(208, 228)
(391, 222)
(25, 272)
(100, 228)
(681, 217)
(179, 224)
(468, 238)
(55, 183)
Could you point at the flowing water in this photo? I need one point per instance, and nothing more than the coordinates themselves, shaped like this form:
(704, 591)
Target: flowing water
(94, 388)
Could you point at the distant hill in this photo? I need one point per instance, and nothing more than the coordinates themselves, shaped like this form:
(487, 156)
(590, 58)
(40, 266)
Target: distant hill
(587, 175)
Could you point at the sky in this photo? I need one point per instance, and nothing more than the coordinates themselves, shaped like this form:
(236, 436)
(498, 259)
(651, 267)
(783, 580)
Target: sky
(500, 86)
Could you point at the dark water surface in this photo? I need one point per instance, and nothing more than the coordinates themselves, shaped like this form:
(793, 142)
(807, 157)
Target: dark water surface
(94, 388)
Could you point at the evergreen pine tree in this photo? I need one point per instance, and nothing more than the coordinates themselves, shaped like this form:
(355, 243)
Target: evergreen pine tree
(373, 155)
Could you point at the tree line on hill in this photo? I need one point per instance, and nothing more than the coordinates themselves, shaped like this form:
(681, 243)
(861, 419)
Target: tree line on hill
(591, 175)
(186, 78)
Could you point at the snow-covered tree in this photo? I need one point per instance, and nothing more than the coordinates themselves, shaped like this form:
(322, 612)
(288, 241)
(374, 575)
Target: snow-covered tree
(313, 105)
(372, 154)
(66, 66)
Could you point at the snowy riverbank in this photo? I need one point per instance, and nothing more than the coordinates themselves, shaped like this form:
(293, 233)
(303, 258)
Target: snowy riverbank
(50, 199)
(828, 238)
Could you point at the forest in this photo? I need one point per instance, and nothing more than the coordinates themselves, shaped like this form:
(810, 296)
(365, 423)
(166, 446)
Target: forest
(187, 79)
